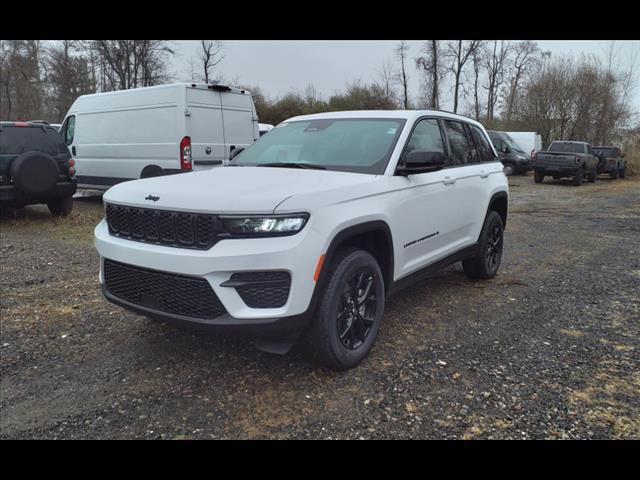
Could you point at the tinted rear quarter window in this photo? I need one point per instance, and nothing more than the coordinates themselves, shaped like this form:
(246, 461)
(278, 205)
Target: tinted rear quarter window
(18, 140)
(482, 144)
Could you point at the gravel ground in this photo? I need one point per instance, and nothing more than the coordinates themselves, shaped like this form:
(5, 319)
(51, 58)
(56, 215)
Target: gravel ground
(550, 348)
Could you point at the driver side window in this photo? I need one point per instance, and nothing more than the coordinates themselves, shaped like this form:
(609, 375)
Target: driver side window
(426, 136)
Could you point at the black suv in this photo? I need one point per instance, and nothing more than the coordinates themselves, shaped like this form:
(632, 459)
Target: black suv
(514, 159)
(611, 161)
(35, 167)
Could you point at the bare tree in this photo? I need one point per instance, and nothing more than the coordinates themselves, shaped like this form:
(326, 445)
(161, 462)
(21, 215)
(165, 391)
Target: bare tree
(386, 78)
(210, 55)
(495, 59)
(403, 77)
(476, 61)
(524, 56)
(127, 64)
(431, 64)
(457, 53)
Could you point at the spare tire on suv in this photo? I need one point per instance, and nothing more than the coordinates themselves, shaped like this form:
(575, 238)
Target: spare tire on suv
(34, 173)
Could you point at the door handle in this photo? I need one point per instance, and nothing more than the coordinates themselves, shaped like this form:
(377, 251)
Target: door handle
(449, 181)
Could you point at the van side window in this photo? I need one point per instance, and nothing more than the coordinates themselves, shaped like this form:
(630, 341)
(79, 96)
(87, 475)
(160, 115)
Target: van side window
(482, 144)
(425, 136)
(68, 130)
(461, 150)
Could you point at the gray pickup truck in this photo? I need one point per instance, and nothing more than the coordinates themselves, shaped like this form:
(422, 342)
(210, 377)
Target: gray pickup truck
(566, 159)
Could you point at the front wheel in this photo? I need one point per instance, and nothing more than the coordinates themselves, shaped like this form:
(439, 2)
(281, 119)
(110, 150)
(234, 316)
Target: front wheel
(487, 261)
(509, 169)
(350, 311)
(61, 207)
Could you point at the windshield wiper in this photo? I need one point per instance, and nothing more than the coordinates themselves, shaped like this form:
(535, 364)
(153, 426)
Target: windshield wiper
(292, 165)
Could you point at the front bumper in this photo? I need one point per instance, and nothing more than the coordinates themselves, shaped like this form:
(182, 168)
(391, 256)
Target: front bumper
(297, 254)
(65, 188)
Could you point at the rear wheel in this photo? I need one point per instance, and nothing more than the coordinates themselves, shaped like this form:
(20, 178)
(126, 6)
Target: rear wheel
(577, 179)
(350, 311)
(487, 261)
(61, 206)
(538, 177)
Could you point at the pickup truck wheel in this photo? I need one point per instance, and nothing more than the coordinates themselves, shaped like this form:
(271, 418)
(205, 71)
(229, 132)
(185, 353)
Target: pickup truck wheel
(538, 177)
(61, 207)
(487, 262)
(614, 173)
(577, 179)
(509, 168)
(350, 311)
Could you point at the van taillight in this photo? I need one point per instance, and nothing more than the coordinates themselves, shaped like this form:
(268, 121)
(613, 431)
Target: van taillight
(72, 170)
(185, 154)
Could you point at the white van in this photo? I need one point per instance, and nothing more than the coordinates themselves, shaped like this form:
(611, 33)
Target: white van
(530, 142)
(152, 131)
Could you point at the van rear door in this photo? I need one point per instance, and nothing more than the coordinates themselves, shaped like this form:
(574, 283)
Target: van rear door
(204, 124)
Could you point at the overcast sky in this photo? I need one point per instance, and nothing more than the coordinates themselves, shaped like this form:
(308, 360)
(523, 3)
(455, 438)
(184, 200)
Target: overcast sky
(280, 66)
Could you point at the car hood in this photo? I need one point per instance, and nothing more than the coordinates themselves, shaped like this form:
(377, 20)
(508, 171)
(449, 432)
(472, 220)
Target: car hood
(229, 189)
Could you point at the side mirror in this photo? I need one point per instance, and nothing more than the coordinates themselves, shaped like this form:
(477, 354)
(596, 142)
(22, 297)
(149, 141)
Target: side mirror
(234, 153)
(418, 160)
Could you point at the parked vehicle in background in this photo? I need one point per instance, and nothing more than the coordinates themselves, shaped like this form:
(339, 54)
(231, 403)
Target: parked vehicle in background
(530, 142)
(153, 131)
(35, 167)
(611, 161)
(264, 128)
(566, 159)
(309, 229)
(514, 159)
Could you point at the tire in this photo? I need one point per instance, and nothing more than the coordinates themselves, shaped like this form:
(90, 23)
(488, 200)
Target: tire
(486, 263)
(614, 174)
(337, 312)
(61, 207)
(34, 173)
(151, 171)
(509, 168)
(538, 177)
(577, 179)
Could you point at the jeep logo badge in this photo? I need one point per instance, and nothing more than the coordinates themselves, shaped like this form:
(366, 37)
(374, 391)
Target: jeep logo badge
(151, 197)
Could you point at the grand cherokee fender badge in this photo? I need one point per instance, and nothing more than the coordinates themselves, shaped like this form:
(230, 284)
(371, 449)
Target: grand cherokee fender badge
(151, 197)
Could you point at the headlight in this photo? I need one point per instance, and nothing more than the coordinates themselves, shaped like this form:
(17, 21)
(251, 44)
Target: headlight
(268, 225)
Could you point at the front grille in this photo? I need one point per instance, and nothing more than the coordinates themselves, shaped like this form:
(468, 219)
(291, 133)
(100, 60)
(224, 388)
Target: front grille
(262, 289)
(163, 227)
(162, 291)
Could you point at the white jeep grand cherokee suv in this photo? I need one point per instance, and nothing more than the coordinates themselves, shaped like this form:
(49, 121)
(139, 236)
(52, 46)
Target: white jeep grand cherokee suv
(306, 232)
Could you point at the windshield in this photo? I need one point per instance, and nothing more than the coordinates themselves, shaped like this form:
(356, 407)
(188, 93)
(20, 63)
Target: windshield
(360, 145)
(567, 147)
(512, 143)
(605, 152)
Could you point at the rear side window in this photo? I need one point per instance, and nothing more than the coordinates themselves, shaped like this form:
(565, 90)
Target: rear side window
(485, 153)
(18, 140)
(459, 145)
